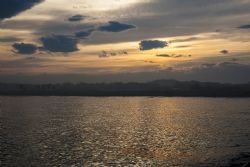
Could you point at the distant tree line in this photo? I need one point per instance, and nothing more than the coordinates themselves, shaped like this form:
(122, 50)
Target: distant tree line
(154, 88)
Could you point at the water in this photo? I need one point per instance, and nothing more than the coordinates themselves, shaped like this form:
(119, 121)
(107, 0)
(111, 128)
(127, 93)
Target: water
(122, 131)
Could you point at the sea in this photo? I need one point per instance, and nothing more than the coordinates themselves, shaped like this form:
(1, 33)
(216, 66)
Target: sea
(123, 131)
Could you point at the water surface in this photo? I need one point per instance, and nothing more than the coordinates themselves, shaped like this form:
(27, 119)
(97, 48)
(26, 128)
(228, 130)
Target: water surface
(122, 131)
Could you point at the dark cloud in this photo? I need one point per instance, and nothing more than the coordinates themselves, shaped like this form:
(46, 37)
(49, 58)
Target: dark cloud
(182, 46)
(247, 26)
(224, 52)
(25, 48)
(152, 44)
(10, 8)
(59, 43)
(189, 20)
(76, 18)
(84, 34)
(173, 55)
(164, 55)
(105, 54)
(180, 55)
(114, 26)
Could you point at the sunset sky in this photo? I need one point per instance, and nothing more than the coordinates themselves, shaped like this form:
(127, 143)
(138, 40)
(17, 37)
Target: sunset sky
(124, 40)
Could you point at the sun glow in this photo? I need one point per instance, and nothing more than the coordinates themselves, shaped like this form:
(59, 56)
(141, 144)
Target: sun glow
(90, 5)
(107, 4)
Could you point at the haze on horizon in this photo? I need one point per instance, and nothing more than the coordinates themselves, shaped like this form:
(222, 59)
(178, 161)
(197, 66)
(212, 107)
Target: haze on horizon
(124, 40)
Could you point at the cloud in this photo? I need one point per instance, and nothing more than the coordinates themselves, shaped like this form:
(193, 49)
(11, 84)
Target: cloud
(229, 64)
(185, 39)
(164, 55)
(59, 43)
(149, 61)
(24, 62)
(25, 48)
(105, 54)
(208, 65)
(247, 26)
(114, 26)
(224, 52)
(10, 8)
(76, 18)
(182, 46)
(152, 44)
(189, 20)
(222, 66)
(9, 39)
(173, 55)
(180, 55)
(84, 34)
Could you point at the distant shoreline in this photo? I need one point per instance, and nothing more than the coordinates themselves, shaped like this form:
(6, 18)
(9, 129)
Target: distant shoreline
(149, 96)
(159, 88)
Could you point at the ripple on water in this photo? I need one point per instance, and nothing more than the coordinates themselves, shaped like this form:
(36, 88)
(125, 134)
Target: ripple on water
(122, 131)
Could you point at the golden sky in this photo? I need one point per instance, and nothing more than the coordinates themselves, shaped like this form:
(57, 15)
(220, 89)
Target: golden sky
(112, 37)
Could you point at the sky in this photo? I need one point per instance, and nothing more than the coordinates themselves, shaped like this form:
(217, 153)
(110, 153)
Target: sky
(51, 41)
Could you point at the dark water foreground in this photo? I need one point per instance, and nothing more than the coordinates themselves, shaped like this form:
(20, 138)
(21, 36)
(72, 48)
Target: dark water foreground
(124, 131)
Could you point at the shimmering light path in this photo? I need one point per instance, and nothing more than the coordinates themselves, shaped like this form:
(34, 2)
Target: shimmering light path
(76, 131)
